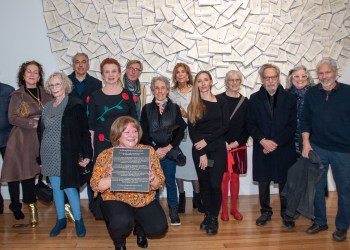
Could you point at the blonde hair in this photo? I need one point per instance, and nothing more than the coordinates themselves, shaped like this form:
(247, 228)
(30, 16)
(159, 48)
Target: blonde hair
(66, 82)
(196, 108)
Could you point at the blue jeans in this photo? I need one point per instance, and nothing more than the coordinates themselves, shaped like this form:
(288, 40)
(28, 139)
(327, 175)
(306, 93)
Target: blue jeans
(340, 164)
(169, 170)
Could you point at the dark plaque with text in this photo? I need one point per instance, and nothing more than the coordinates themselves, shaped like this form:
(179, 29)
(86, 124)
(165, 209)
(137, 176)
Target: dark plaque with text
(130, 169)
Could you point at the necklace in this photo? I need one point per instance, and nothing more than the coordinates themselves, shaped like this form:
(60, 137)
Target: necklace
(37, 99)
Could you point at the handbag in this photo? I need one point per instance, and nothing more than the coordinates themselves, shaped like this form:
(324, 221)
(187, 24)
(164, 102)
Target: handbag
(177, 155)
(43, 191)
(23, 110)
(237, 158)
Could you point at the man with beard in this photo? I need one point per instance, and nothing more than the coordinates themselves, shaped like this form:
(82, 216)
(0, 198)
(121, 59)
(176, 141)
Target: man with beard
(325, 127)
(271, 122)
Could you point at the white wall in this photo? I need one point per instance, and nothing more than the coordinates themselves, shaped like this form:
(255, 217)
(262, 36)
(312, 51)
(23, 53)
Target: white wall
(23, 37)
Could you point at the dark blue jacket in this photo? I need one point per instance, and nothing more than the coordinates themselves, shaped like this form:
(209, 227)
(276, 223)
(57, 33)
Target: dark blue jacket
(326, 116)
(5, 127)
(91, 85)
(301, 183)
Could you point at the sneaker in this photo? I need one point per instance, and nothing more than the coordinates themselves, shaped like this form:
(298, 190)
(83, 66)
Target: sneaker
(174, 216)
(340, 234)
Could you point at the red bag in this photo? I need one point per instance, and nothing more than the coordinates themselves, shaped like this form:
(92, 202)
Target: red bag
(237, 160)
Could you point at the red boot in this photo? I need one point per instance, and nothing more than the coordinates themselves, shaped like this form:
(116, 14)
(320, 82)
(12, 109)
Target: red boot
(234, 190)
(224, 189)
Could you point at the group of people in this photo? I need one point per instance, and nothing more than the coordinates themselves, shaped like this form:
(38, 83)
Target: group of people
(69, 125)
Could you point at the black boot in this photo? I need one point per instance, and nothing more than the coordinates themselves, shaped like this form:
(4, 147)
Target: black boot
(205, 222)
(182, 203)
(197, 202)
(141, 239)
(1, 204)
(213, 226)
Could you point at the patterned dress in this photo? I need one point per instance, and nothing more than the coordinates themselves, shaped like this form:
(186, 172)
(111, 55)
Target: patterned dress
(187, 172)
(103, 110)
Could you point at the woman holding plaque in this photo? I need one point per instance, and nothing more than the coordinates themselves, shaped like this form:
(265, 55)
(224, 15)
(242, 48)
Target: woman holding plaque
(20, 165)
(121, 210)
(163, 128)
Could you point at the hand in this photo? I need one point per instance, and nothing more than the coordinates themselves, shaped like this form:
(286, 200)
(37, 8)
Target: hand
(233, 145)
(200, 145)
(183, 112)
(203, 162)
(104, 184)
(268, 145)
(161, 152)
(153, 180)
(306, 149)
(33, 122)
(84, 162)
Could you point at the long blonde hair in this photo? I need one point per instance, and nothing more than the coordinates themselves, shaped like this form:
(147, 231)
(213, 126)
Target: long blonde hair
(196, 108)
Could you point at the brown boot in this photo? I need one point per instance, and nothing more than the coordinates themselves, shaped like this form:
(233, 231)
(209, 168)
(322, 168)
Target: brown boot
(33, 214)
(234, 190)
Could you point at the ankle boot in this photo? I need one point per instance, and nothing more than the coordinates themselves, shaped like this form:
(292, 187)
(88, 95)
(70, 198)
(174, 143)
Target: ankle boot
(205, 222)
(224, 189)
(182, 203)
(197, 202)
(69, 213)
(234, 190)
(33, 213)
(80, 228)
(17, 211)
(60, 224)
(213, 226)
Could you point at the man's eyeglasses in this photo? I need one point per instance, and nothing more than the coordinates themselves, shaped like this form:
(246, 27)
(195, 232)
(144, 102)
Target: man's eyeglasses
(56, 85)
(134, 69)
(268, 78)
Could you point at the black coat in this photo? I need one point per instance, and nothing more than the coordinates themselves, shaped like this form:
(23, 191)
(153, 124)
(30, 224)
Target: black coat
(280, 128)
(75, 141)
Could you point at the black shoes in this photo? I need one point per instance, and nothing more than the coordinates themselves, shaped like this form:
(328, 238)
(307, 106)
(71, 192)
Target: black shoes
(197, 202)
(340, 234)
(288, 223)
(212, 227)
(120, 247)
(205, 222)
(141, 239)
(182, 203)
(174, 216)
(263, 219)
(315, 228)
(18, 215)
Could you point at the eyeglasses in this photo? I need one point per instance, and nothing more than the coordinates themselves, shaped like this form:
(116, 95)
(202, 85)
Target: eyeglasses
(268, 78)
(235, 80)
(56, 85)
(134, 69)
(304, 77)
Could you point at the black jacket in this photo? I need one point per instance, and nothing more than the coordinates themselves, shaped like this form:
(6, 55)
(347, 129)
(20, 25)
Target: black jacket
(75, 141)
(301, 185)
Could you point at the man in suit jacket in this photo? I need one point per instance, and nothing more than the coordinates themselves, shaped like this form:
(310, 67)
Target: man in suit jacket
(271, 121)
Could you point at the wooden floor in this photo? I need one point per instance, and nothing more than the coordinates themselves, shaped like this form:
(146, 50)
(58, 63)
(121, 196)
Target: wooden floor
(232, 235)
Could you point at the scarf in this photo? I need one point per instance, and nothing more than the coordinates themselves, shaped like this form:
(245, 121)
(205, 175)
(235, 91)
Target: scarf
(135, 89)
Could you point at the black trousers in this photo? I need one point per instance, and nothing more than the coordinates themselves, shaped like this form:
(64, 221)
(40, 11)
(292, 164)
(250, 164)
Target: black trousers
(121, 217)
(264, 197)
(27, 190)
(210, 179)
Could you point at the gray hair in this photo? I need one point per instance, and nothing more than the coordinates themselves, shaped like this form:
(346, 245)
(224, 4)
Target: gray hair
(329, 61)
(296, 68)
(162, 79)
(66, 82)
(267, 66)
(230, 73)
(80, 54)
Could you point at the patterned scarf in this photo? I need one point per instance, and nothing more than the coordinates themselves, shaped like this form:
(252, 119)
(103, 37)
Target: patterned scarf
(162, 105)
(135, 89)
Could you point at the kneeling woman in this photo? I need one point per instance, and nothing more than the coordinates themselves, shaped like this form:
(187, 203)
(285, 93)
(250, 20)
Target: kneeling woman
(122, 210)
(65, 147)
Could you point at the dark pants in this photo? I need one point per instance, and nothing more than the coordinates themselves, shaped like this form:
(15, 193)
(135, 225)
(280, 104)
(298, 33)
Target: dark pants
(27, 190)
(264, 196)
(121, 217)
(210, 178)
(2, 151)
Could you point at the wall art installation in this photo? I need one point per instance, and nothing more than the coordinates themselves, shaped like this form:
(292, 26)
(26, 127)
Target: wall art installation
(215, 35)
